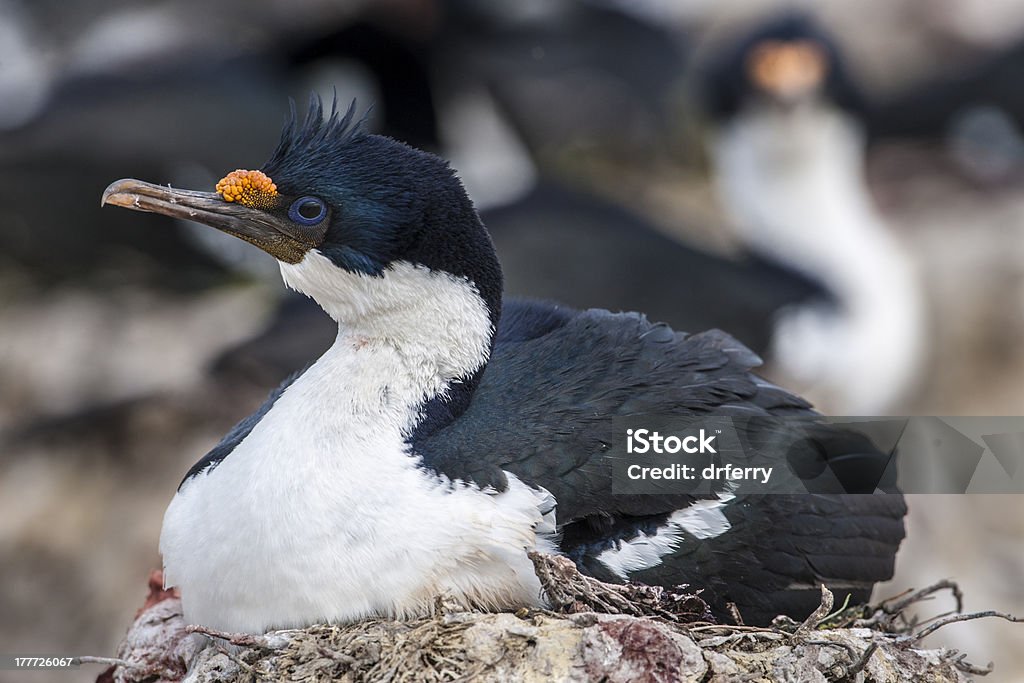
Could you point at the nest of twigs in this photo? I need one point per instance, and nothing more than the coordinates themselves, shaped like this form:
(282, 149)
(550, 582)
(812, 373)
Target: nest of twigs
(592, 631)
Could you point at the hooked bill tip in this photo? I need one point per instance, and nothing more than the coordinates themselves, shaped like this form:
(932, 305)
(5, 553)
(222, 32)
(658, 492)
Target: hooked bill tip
(118, 193)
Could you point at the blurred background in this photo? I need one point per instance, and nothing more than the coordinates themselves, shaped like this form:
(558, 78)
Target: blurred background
(842, 190)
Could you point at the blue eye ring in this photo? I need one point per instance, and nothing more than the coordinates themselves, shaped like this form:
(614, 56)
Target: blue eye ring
(302, 210)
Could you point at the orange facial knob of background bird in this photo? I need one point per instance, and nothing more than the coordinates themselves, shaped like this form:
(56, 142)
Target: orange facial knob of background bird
(253, 189)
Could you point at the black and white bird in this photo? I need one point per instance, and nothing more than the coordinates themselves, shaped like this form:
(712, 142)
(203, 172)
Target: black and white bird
(789, 161)
(446, 432)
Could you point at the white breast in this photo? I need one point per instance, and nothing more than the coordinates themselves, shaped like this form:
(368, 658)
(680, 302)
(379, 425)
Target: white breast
(321, 515)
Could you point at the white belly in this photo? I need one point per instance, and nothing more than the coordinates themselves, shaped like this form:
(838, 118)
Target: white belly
(310, 520)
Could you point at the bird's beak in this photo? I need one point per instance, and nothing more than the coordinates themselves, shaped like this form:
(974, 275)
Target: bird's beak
(275, 235)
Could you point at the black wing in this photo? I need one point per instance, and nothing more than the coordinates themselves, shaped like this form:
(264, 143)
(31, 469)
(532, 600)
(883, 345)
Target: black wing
(543, 411)
(557, 378)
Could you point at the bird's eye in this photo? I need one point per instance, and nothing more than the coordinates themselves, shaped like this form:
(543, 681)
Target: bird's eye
(307, 210)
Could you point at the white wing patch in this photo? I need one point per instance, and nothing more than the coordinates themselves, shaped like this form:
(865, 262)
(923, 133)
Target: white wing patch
(704, 519)
(547, 528)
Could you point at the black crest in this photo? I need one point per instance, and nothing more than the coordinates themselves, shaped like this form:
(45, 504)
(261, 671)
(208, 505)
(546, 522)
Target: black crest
(314, 137)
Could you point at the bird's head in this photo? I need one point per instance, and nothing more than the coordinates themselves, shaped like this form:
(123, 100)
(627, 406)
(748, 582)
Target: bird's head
(381, 235)
(782, 62)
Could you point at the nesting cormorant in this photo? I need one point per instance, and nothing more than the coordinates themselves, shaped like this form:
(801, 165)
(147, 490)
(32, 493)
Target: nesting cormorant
(446, 432)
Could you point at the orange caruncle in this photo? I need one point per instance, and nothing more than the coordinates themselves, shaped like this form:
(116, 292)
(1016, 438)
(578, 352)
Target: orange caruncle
(249, 188)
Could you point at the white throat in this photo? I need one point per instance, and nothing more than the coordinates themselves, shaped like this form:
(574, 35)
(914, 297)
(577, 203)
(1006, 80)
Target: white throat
(793, 180)
(437, 324)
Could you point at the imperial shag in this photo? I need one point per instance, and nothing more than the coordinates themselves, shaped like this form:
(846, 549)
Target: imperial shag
(789, 157)
(444, 435)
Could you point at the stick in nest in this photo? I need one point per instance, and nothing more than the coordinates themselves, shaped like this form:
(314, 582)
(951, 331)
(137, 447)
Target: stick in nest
(901, 602)
(935, 626)
(890, 615)
(570, 592)
(820, 614)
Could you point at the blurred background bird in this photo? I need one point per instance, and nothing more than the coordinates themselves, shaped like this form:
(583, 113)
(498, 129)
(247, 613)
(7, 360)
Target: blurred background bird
(788, 156)
(578, 131)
